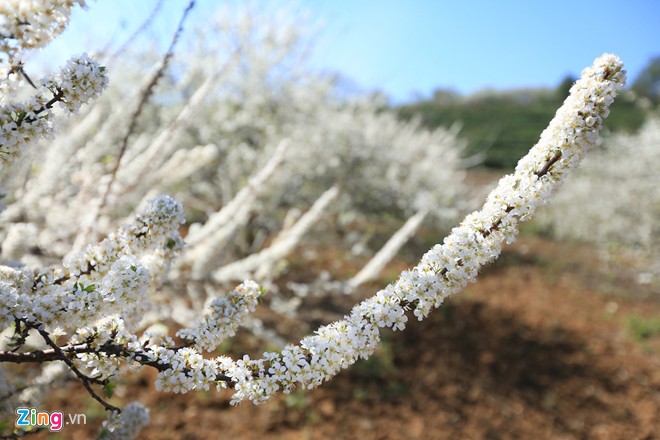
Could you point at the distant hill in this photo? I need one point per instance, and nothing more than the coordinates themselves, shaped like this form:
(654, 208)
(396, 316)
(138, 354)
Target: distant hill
(504, 125)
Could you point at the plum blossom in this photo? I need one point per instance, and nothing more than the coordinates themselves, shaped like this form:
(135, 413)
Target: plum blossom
(21, 124)
(446, 268)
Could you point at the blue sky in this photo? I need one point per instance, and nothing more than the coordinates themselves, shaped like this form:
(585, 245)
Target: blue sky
(410, 48)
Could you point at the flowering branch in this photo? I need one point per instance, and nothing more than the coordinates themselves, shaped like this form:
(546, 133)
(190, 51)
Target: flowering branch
(144, 98)
(80, 80)
(97, 301)
(444, 270)
(86, 380)
(109, 278)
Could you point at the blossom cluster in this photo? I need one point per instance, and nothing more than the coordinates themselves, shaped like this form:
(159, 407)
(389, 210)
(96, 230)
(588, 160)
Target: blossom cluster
(80, 80)
(21, 124)
(106, 330)
(27, 24)
(104, 279)
(185, 369)
(30, 24)
(223, 316)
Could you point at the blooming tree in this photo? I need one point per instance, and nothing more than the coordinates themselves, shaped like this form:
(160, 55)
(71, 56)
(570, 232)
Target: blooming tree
(613, 201)
(256, 148)
(93, 314)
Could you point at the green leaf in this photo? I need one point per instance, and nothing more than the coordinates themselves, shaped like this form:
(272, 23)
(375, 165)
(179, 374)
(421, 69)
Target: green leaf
(109, 388)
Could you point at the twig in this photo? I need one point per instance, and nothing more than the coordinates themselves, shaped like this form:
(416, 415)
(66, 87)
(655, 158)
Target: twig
(86, 380)
(144, 98)
(145, 24)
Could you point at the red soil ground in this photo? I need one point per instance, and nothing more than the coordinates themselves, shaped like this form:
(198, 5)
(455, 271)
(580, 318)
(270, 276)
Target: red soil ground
(540, 347)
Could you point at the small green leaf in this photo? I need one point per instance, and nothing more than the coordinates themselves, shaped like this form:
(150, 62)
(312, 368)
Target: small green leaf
(109, 388)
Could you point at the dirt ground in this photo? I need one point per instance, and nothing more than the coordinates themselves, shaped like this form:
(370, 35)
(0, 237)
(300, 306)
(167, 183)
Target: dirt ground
(540, 347)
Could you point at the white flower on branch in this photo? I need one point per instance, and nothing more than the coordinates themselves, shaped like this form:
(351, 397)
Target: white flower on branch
(80, 80)
(29, 24)
(21, 124)
(108, 278)
(446, 268)
(223, 316)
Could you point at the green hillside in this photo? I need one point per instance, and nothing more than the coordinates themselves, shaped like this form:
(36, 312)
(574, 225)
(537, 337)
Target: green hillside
(503, 125)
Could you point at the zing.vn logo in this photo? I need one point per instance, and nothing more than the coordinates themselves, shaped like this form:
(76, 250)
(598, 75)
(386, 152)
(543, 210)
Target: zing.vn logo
(54, 420)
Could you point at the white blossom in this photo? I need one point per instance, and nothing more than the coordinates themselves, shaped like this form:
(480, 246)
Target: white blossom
(80, 80)
(21, 124)
(223, 316)
(104, 279)
(33, 23)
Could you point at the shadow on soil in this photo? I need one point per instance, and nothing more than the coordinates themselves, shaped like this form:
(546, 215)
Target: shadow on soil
(468, 354)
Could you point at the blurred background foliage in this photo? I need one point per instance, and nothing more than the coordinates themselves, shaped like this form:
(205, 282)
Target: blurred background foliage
(503, 125)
